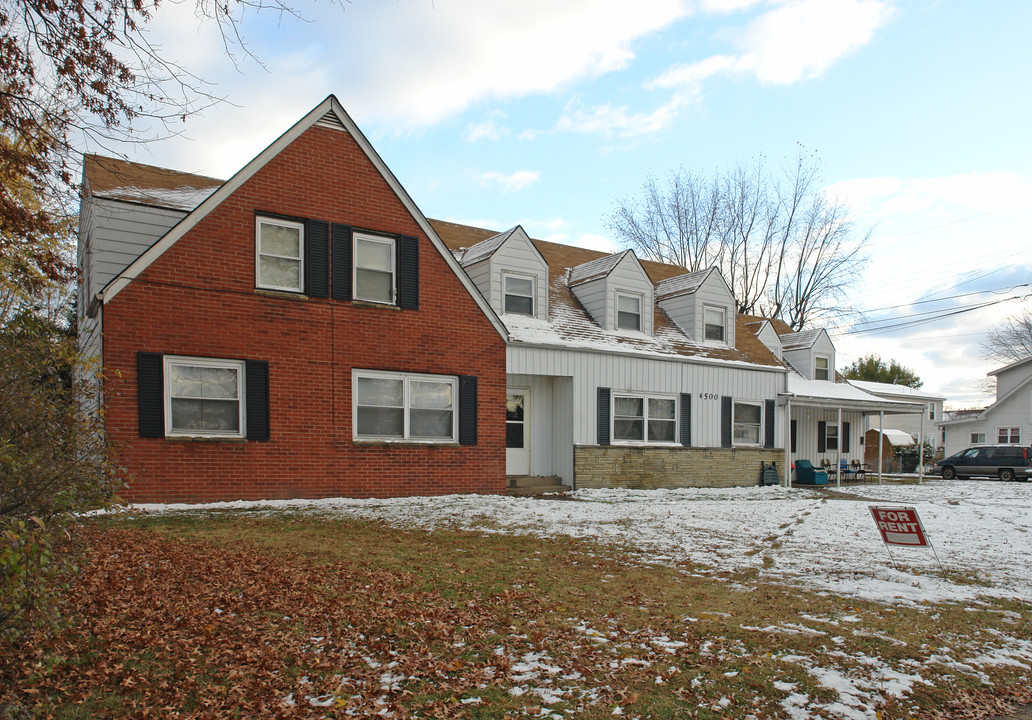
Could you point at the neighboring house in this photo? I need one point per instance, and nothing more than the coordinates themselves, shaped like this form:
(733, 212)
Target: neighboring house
(302, 330)
(1006, 421)
(915, 424)
(297, 331)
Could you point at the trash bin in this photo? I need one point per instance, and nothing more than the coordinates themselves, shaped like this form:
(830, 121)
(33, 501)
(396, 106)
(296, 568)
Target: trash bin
(769, 474)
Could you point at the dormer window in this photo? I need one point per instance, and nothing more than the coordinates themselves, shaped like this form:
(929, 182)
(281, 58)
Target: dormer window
(821, 370)
(714, 320)
(519, 295)
(628, 312)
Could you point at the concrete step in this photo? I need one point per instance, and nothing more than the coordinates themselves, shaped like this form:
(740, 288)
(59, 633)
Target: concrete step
(536, 490)
(528, 485)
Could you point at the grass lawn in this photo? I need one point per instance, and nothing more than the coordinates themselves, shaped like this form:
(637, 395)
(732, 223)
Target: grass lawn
(292, 614)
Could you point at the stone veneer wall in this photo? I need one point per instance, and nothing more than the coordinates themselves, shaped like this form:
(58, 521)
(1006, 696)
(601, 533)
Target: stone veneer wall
(651, 467)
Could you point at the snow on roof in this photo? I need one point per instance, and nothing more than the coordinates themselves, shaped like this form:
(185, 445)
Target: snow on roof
(1013, 365)
(182, 198)
(901, 391)
(898, 437)
(596, 268)
(681, 284)
(801, 339)
(117, 179)
(485, 248)
(836, 392)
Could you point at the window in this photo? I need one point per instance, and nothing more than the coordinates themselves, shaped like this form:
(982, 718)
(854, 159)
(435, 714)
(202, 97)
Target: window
(1008, 436)
(713, 319)
(204, 397)
(393, 406)
(640, 418)
(519, 295)
(374, 269)
(280, 247)
(628, 312)
(747, 423)
(978, 438)
(931, 412)
(821, 368)
(831, 437)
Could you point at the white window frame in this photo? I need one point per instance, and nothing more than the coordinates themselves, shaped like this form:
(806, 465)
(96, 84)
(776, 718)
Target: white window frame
(828, 427)
(817, 370)
(723, 324)
(392, 243)
(533, 293)
(735, 423)
(641, 311)
(644, 397)
(975, 438)
(1010, 433)
(406, 379)
(238, 365)
(300, 227)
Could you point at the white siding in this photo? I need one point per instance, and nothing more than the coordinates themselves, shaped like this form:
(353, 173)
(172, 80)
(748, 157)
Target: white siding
(1013, 412)
(118, 233)
(806, 435)
(707, 383)
(592, 296)
(518, 256)
(911, 423)
(688, 310)
(804, 359)
(681, 309)
(1007, 381)
(480, 274)
(770, 338)
(551, 423)
(629, 277)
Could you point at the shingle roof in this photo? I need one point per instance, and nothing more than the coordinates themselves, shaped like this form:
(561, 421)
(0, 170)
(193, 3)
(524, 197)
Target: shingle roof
(801, 339)
(681, 284)
(146, 184)
(570, 325)
(484, 248)
(594, 269)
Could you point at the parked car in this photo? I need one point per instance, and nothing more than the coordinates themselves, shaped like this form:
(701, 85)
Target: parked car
(1007, 462)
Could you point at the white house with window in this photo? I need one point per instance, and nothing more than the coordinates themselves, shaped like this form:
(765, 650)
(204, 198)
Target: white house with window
(923, 424)
(1008, 421)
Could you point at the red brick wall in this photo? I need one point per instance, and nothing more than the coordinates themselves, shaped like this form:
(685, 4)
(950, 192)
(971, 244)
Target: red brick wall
(198, 299)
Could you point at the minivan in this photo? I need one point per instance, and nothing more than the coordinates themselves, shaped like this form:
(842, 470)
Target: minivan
(1007, 462)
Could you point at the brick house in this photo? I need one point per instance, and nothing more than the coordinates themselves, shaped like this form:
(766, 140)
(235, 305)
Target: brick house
(297, 331)
(302, 330)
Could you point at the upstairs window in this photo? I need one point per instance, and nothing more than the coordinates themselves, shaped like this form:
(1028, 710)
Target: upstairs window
(713, 318)
(747, 422)
(628, 312)
(280, 249)
(519, 295)
(374, 269)
(821, 369)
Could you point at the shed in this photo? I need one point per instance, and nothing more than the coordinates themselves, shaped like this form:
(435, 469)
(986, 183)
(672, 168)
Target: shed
(891, 440)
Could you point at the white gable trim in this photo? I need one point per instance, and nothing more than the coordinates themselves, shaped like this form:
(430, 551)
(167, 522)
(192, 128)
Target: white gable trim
(317, 115)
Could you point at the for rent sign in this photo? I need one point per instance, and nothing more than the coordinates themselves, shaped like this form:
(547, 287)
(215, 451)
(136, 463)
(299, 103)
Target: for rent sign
(900, 526)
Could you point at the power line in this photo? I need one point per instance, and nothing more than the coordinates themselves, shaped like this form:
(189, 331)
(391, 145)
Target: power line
(905, 323)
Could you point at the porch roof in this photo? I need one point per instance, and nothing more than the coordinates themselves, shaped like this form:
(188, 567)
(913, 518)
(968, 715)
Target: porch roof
(835, 395)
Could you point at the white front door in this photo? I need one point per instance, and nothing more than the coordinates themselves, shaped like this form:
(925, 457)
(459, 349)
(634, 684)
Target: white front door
(517, 432)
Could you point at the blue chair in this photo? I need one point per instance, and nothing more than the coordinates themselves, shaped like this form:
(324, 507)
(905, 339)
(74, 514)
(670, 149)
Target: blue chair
(807, 474)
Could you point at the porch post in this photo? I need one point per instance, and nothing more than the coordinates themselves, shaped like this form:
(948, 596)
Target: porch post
(838, 452)
(881, 442)
(788, 443)
(920, 449)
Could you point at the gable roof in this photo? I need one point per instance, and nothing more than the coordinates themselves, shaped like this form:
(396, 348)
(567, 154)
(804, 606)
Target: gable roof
(800, 340)
(570, 326)
(682, 284)
(598, 268)
(328, 113)
(1005, 368)
(999, 402)
(901, 391)
(486, 248)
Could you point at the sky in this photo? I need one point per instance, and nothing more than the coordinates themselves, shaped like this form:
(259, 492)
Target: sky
(547, 114)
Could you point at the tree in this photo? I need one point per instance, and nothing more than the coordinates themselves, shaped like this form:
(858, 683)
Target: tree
(786, 248)
(1010, 340)
(873, 369)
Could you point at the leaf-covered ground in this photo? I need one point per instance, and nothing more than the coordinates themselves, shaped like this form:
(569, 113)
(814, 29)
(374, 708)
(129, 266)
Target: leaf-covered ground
(237, 615)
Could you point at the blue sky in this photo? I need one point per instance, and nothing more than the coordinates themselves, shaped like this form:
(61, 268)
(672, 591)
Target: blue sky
(545, 114)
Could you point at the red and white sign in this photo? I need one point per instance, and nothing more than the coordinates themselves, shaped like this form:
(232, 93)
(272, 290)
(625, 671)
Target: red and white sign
(900, 526)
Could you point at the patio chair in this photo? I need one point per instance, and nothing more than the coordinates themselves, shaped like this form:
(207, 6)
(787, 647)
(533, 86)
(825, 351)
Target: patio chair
(852, 470)
(807, 474)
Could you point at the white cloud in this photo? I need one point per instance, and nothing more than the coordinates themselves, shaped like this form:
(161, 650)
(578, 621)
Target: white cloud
(608, 121)
(486, 130)
(511, 182)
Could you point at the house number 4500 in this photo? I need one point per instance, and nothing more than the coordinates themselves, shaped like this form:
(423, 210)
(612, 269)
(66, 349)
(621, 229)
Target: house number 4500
(708, 396)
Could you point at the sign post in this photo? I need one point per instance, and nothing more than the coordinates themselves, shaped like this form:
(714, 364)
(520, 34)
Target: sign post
(902, 526)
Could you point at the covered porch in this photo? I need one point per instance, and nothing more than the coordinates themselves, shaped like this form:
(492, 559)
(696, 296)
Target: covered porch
(826, 425)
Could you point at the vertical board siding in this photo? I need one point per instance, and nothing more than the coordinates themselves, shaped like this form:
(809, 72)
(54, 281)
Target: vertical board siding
(807, 419)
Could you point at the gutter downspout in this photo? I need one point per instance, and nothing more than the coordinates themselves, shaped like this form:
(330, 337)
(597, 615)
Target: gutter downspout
(788, 443)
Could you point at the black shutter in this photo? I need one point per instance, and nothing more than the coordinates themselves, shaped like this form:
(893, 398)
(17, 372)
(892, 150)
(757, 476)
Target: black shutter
(341, 262)
(727, 409)
(686, 419)
(150, 394)
(408, 273)
(822, 436)
(467, 410)
(256, 393)
(793, 431)
(768, 423)
(604, 401)
(317, 259)
(845, 437)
